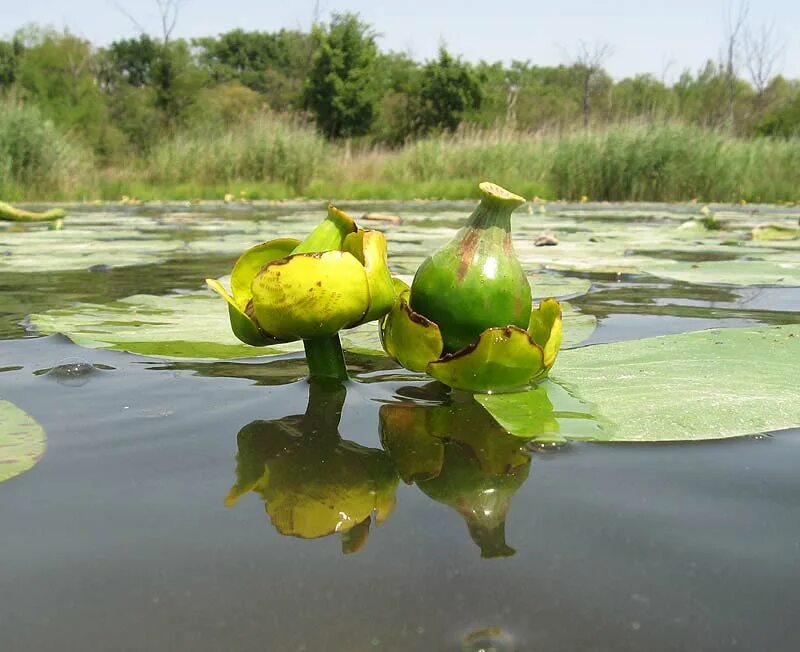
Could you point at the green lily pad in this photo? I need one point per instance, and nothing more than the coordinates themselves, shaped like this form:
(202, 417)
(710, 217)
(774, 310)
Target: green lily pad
(192, 325)
(704, 385)
(775, 232)
(544, 285)
(728, 272)
(80, 247)
(546, 413)
(660, 248)
(167, 326)
(22, 441)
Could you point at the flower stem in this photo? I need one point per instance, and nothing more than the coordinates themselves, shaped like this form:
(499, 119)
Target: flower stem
(325, 358)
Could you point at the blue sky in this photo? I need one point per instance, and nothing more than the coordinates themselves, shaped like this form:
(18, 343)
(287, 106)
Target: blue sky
(659, 37)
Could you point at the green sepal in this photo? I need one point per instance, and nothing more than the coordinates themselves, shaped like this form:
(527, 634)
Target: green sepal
(329, 235)
(502, 359)
(547, 330)
(245, 328)
(409, 338)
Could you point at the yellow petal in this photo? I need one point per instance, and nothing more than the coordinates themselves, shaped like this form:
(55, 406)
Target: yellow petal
(502, 359)
(369, 247)
(310, 295)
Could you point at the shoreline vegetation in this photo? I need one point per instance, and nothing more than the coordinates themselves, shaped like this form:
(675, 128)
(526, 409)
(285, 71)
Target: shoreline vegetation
(325, 113)
(275, 157)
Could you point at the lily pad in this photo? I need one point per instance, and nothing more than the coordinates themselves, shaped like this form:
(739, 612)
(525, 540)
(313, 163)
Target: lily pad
(73, 248)
(704, 385)
(729, 272)
(22, 441)
(660, 248)
(173, 326)
(546, 413)
(196, 325)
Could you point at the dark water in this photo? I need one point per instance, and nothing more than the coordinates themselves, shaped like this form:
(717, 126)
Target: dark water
(120, 537)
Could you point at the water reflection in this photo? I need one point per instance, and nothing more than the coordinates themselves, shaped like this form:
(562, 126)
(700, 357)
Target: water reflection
(313, 482)
(458, 455)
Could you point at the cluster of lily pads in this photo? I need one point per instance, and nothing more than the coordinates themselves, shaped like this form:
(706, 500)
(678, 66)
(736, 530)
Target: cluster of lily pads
(652, 389)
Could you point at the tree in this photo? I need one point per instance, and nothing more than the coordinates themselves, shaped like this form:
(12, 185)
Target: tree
(274, 64)
(57, 72)
(130, 60)
(448, 89)
(589, 66)
(762, 51)
(736, 19)
(341, 89)
(10, 53)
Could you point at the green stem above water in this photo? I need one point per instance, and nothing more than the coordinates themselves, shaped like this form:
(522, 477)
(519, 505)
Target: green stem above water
(325, 358)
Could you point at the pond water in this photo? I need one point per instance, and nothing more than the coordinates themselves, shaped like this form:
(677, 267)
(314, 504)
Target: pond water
(194, 497)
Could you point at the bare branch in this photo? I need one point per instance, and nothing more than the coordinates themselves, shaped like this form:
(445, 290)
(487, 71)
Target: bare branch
(590, 62)
(129, 16)
(168, 11)
(762, 52)
(736, 18)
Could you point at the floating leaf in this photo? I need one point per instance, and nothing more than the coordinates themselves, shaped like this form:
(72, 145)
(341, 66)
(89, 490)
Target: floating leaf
(173, 326)
(729, 272)
(22, 441)
(705, 385)
(545, 413)
(195, 325)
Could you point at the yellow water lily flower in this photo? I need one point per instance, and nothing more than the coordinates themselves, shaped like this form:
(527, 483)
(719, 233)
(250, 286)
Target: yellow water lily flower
(286, 290)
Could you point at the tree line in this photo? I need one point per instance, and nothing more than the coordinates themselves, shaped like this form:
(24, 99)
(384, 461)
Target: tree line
(121, 99)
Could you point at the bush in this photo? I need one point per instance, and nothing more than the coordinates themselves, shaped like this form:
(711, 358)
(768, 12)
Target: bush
(36, 159)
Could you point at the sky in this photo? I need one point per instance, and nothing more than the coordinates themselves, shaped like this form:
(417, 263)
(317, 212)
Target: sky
(646, 36)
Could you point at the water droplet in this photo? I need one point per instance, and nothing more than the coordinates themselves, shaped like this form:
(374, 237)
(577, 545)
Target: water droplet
(490, 639)
(547, 446)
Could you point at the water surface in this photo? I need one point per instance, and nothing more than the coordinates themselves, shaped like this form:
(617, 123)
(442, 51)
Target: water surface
(120, 537)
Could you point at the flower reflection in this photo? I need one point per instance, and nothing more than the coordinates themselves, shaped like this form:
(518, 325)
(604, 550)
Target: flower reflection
(313, 482)
(458, 455)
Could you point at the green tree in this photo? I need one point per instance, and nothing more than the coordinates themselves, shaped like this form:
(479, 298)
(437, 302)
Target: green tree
(57, 72)
(448, 89)
(130, 60)
(399, 80)
(271, 63)
(10, 53)
(341, 90)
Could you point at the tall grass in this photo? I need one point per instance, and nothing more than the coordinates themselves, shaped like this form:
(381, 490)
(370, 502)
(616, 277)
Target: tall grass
(673, 162)
(36, 159)
(633, 162)
(275, 157)
(266, 149)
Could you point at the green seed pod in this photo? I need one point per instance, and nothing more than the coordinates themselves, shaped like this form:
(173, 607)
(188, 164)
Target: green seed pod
(475, 281)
